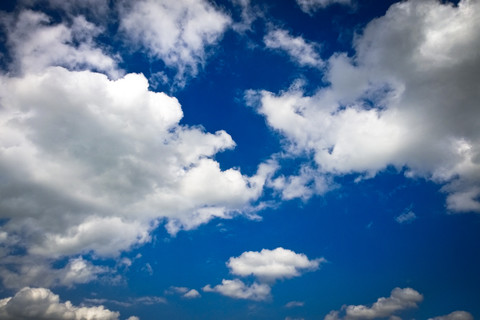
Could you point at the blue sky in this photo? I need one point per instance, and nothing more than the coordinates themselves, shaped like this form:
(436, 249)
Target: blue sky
(194, 159)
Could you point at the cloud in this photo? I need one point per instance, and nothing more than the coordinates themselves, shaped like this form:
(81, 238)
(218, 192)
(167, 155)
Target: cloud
(176, 31)
(267, 266)
(399, 300)
(19, 271)
(406, 217)
(299, 50)
(311, 6)
(185, 292)
(36, 42)
(456, 315)
(192, 294)
(91, 165)
(408, 99)
(270, 265)
(41, 303)
(294, 304)
(238, 290)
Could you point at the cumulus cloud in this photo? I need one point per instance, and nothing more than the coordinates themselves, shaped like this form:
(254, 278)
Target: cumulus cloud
(456, 315)
(41, 303)
(237, 289)
(266, 266)
(270, 265)
(311, 6)
(176, 31)
(299, 50)
(399, 300)
(408, 99)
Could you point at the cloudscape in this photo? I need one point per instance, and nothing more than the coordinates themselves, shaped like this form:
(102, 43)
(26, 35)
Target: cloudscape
(240, 159)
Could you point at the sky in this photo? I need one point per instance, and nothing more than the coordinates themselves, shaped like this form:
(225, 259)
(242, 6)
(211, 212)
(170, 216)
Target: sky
(240, 159)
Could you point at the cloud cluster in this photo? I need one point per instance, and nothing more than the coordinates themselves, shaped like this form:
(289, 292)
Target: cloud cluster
(92, 164)
(408, 98)
(176, 31)
(266, 266)
(399, 300)
(41, 303)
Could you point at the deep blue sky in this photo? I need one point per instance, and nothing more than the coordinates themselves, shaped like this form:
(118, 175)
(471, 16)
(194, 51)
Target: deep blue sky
(353, 178)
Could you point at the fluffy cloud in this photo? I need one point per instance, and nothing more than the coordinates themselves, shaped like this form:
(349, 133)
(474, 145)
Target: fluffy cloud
(399, 300)
(270, 265)
(238, 290)
(176, 31)
(267, 266)
(300, 51)
(456, 315)
(408, 98)
(40, 303)
(311, 6)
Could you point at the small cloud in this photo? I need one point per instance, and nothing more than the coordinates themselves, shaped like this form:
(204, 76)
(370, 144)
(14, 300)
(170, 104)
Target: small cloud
(293, 304)
(406, 217)
(192, 294)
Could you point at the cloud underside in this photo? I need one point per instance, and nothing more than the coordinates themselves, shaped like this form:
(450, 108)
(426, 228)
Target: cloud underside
(407, 99)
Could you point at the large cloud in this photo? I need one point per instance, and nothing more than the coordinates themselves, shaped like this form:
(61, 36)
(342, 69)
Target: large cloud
(399, 300)
(409, 98)
(176, 31)
(40, 303)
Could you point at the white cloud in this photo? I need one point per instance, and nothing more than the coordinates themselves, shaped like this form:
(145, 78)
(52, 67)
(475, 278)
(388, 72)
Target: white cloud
(311, 6)
(184, 292)
(192, 294)
(176, 31)
(88, 152)
(294, 304)
(91, 165)
(267, 266)
(37, 43)
(419, 65)
(399, 300)
(406, 217)
(456, 315)
(270, 265)
(299, 50)
(40, 303)
(238, 290)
